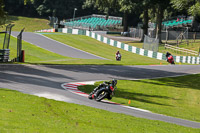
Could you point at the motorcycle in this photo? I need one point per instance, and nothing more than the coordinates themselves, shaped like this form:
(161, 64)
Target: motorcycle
(118, 57)
(170, 58)
(105, 90)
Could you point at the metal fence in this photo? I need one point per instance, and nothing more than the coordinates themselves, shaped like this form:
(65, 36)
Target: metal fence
(136, 32)
(5, 52)
(7, 36)
(151, 44)
(19, 47)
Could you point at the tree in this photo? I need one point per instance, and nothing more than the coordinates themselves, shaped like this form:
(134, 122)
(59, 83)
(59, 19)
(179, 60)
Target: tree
(2, 13)
(126, 7)
(192, 6)
(159, 7)
(113, 7)
(63, 9)
(144, 6)
(106, 6)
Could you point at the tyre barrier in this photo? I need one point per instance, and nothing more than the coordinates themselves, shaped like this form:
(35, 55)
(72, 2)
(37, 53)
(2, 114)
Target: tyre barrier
(4, 55)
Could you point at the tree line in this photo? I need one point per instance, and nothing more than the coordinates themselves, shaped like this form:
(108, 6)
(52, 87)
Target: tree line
(132, 11)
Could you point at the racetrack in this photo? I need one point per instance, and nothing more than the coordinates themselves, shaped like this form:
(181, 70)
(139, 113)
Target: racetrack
(46, 81)
(55, 46)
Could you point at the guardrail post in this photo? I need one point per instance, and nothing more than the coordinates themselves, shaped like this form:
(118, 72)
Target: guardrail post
(23, 56)
(7, 36)
(19, 47)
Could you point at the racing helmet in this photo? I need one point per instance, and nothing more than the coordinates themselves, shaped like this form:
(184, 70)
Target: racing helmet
(114, 82)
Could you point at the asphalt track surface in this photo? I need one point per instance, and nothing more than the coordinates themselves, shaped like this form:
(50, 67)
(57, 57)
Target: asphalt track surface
(46, 81)
(55, 46)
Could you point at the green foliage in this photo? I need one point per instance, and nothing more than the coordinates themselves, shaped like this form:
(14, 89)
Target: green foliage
(180, 4)
(44, 8)
(2, 13)
(127, 6)
(102, 5)
(192, 7)
(195, 9)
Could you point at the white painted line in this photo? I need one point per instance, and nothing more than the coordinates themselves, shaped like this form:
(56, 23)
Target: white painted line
(64, 30)
(150, 54)
(57, 97)
(177, 58)
(159, 56)
(141, 52)
(75, 31)
(133, 49)
(111, 42)
(87, 33)
(189, 59)
(184, 59)
(105, 40)
(119, 44)
(93, 35)
(143, 110)
(126, 47)
(98, 37)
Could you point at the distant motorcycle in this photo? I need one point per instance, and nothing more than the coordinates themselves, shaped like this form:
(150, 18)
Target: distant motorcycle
(104, 90)
(118, 57)
(170, 58)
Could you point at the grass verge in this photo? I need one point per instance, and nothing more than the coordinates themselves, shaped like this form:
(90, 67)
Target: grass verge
(30, 24)
(37, 55)
(103, 50)
(26, 113)
(177, 96)
(34, 54)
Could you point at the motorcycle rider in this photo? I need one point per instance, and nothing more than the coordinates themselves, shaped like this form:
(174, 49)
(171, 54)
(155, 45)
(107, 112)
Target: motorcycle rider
(170, 58)
(104, 84)
(118, 56)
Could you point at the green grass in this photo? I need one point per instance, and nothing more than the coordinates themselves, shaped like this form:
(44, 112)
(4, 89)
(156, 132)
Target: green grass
(103, 50)
(177, 97)
(37, 55)
(33, 54)
(26, 113)
(30, 24)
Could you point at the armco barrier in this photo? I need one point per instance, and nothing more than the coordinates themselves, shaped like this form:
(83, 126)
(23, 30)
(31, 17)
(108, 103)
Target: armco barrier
(140, 51)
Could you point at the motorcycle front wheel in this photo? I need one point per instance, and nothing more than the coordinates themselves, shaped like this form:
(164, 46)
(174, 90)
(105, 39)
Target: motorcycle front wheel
(101, 95)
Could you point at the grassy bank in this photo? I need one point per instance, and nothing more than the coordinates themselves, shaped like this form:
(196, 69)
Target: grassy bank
(37, 55)
(177, 97)
(30, 24)
(33, 54)
(103, 50)
(25, 113)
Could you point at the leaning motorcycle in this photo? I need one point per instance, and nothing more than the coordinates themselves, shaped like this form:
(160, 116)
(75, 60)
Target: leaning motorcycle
(170, 58)
(105, 90)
